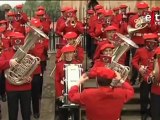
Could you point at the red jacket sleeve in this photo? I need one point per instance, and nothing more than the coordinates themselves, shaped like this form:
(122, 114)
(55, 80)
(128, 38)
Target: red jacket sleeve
(4, 63)
(58, 78)
(75, 96)
(79, 27)
(80, 54)
(135, 60)
(126, 91)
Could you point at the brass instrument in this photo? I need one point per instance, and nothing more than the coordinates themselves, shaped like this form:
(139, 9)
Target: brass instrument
(122, 47)
(123, 70)
(73, 23)
(77, 41)
(154, 77)
(141, 23)
(20, 74)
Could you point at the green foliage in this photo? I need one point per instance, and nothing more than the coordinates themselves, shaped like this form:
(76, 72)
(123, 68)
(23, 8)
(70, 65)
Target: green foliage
(52, 7)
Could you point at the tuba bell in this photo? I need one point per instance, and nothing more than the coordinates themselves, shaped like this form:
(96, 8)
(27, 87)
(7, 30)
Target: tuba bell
(122, 47)
(27, 63)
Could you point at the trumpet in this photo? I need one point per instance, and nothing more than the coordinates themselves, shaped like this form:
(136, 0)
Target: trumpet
(73, 23)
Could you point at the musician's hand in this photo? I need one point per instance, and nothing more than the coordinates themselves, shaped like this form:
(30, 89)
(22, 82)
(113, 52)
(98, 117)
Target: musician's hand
(61, 98)
(13, 62)
(142, 69)
(118, 76)
(83, 78)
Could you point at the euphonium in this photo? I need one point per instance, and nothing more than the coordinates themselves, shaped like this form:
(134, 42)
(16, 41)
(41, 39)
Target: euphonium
(140, 24)
(20, 74)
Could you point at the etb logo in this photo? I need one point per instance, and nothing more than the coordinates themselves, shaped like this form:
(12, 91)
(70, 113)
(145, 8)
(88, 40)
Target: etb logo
(156, 18)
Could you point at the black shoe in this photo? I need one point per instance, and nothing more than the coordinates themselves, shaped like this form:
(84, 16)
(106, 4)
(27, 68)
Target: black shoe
(4, 99)
(36, 115)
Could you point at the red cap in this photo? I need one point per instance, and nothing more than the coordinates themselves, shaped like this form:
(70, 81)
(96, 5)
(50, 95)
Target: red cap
(70, 35)
(90, 11)
(107, 45)
(157, 51)
(3, 21)
(116, 9)
(101, 11)
(155, 9)
(108, 13)
(68, 48)
(97, 7)
(2, 29)
(142, 5)
(11, 13)
(123, 6)
(111, 27)
(150, 36)
(64, 9)
(19, 6)
(40, 13)
(36, 22)
(103, 72)
(40, 8)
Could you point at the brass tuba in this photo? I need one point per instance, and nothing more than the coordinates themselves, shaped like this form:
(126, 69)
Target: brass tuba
(122, 47)
(27, 63)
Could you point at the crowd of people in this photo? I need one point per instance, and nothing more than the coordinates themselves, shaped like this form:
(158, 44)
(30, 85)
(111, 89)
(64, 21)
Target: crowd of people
(100, 28)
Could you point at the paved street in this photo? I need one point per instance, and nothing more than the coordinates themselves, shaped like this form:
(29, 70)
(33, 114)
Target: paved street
(47, 111)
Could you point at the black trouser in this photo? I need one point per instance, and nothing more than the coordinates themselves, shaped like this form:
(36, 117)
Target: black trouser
(13, 99)
(89, 43)
(2, 84)
(43, 66)
(145, 90)
(36, 92)
(65, 112)
(155, 106)
(134, 70)
(93, 49)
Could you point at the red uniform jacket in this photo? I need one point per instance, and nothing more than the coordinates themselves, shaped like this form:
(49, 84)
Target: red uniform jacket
(59, 76)
(39, 50)
(99, 102)
(142, 57)
(79, 51)
(138, 36)
(61, 20)
(46, 26)
(4, 64)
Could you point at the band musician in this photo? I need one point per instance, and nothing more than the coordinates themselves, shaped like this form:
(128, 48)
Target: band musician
(67, 58)
(105, 96)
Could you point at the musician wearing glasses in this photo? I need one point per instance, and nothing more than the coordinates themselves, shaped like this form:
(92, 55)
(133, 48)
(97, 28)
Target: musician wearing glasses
(141, 60)
(71, 38)
(99, 101)
(16, 94)
(67, 58)
(153, 77)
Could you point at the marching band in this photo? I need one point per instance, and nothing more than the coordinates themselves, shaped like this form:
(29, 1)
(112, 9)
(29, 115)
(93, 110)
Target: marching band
(122, 46)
